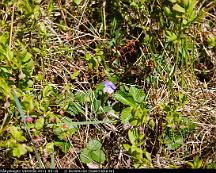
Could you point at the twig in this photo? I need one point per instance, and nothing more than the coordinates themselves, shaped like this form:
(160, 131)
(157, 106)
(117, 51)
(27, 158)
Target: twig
(62, 12)
(11, 29)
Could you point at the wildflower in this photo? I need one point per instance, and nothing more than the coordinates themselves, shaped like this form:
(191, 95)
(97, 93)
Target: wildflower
(29, 119)
(109, 87)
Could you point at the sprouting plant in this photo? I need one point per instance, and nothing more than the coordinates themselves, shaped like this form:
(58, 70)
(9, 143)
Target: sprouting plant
(197, 163)
(141, 157)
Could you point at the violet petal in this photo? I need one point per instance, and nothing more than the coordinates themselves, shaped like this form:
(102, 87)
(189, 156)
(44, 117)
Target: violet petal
(110, 84)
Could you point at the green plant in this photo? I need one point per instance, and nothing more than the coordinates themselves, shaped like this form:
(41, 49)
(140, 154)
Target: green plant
(136, 113)
(17, 66)
(92, 152)
(141, 157)
(176, 125)
(197, 163)
(15, 143)
(62, 65)
(212, 165)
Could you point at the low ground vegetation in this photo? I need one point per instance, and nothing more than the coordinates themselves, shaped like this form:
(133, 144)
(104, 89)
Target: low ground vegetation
(107, 84)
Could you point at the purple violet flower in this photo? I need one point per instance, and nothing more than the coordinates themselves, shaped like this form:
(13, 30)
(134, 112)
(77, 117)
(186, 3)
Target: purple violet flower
(109, 87)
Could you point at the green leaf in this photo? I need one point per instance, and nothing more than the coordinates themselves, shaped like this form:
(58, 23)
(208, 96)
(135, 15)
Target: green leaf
(137, 152)
(167, 11)
(4, 38)
(75, 108)
(151, 124)
(145, 117)
(98, 156)
(27, 57)
(11, 143)
(29, 149)
(182, 99)
(123, 98)
(132, 137)
(85, 156)
(138, 113)
(138, 117)
(108, 109)
(88, 56)
(134, 121)
(189, 5)
(97, 104)
(28, 102)
(42, 28)
(50, 147)
(178, 8)
(94, 145)
(19, 150)
(179, 140)
(4, 88)
(77, 2)
(190, 164)
(137, 94)
(36, 50)
(148, 156)
(127, 147)
(75, 75)
(17, 134)
(37, 12)
(126, 115)
(171, 37)
(173, 141)
(50, 7)
(165, 107)
(3, 144)
(173, 1)
(48, 90)
(39, 123)
(82, 97)
(65, 146)
(197, 162)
